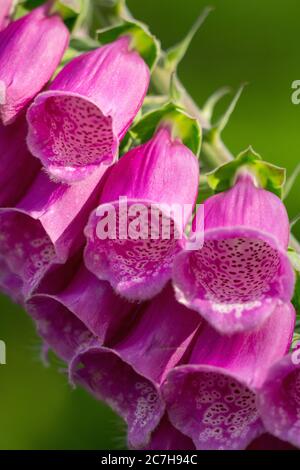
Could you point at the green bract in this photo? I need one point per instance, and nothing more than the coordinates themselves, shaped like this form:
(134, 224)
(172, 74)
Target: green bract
(268, 176)
(182, 125)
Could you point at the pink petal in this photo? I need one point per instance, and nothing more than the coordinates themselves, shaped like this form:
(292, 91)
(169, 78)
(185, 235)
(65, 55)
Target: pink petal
(127, 375)
(213, 399)
(162, 171)
(18, 167)
(84, 309)
(166, 437)
(5, 7)
(279, 399)
(235, 280)
(46, 226)
(28, 59)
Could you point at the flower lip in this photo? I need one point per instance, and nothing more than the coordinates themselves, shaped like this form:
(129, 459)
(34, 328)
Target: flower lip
(70, 134)
(136, 268)
(218, 388)
(230, 423)
(235, 280)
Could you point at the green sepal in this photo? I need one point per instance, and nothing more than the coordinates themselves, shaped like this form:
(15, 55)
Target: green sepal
(154, 102)
(209, 105)
(216, 130)
(68, 8)
(268, 176)
(205, 190)
(182, 126)
(142, 40)
(24, 7)
(84, 44)
(71, 11)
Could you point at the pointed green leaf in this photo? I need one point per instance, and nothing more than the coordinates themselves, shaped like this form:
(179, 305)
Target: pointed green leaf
(291, 181)
(142, 40)
(269, 176)
(175, 54)
(220, 126)
(182, 125)
(209, 106)
(294, 221)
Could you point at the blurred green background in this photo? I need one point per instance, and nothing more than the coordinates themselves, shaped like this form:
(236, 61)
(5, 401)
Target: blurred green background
(254, 41)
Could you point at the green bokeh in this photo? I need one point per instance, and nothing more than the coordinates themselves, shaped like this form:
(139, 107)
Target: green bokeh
(256, 42)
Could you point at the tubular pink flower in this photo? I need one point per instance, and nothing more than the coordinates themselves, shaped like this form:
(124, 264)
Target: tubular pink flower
(279, 399)
(85, 309)
(18, 166)
(78, 123)
(46, 226)
(236, 279)
(31, 48)
(128, 374)
(5, 7)
(213, 398)
(166, 437)
(160, 172)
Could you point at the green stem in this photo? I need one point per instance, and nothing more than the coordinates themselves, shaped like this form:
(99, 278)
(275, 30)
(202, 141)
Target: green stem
(214, 153)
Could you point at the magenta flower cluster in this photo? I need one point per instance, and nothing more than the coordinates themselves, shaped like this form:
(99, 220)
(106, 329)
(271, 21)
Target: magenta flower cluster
(190, 347)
